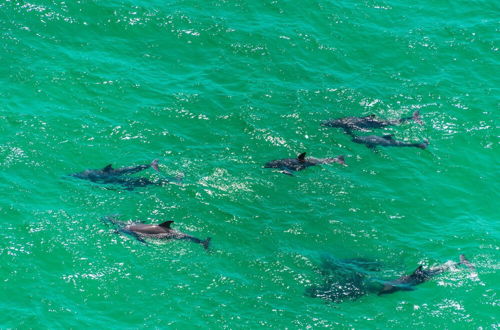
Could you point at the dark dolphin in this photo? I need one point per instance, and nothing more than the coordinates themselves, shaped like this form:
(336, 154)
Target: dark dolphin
(368, 122)
(288, 165)
(420, 275)
(162, 231)
(372, 141)
(119, 176)
(108, 172)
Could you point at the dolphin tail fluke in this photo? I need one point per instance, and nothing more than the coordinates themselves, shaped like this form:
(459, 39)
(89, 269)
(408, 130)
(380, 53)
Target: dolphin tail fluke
(416, 117)
(206, 243)
(464, 261)
(154, 165)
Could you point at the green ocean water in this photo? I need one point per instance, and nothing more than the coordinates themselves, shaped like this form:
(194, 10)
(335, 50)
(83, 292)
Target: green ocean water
(215, 89)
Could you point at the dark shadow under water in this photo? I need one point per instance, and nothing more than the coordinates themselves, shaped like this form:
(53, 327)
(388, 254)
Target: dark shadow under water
(345, 279)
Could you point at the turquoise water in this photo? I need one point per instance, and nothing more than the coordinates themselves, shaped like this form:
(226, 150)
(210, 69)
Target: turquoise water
(214, 90)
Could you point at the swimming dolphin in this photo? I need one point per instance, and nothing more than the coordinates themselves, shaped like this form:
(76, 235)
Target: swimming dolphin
(108, 172)
(162, 231)
(372, 141)
(110, 175)
(368, 122)
(288, 165)
(420, 275)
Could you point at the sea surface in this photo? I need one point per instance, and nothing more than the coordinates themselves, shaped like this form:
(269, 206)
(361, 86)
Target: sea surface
(213, 90)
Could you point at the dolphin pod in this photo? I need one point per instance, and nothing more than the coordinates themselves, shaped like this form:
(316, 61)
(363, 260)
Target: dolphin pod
(344, 279)
(161, 231)
(350, 124)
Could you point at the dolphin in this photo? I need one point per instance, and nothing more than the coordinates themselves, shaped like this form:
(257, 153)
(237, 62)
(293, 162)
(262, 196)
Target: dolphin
(110, 175)
(161, 231)
(372, 141)
(368, 122)
(108, 172)
(420, 275)
(288, 165)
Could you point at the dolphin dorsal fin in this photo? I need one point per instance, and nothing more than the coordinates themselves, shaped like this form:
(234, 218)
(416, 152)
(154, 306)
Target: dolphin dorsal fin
(388, 136)
(370, 116)
(166, 224)
(108, 168)
(302, 157)
(418, 270)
